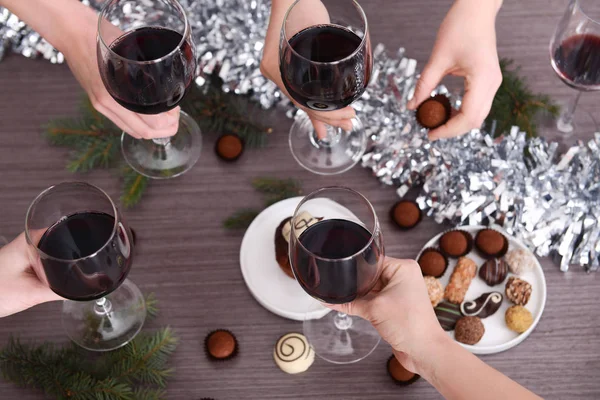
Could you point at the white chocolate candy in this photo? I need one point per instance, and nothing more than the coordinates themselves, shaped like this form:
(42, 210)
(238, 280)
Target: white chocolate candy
(293, 354)
(520, 261)
(302, 222)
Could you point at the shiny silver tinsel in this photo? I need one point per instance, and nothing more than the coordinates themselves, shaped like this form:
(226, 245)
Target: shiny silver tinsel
(550, 201)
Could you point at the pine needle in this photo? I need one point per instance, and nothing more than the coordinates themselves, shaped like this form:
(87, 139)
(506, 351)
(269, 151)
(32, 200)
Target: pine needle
(137, 371)
(515, 103)
(134, 186)
(240, 219)
(218, 112)
(277, 189)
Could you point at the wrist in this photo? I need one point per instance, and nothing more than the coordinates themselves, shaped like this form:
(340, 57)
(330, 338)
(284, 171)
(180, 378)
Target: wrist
(493, 6)
(425, 354)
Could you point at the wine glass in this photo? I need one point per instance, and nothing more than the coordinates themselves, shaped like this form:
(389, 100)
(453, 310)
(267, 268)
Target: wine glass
(82, 248)
(147, 62)
(336, 261)
(575, 57)
(325, 61)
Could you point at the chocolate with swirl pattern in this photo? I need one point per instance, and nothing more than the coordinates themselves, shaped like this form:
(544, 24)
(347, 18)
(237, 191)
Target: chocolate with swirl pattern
(483, 306)
(293, 354)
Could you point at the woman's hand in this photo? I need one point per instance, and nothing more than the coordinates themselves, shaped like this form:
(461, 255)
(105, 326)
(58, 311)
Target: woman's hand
(315, 14)
(72, 27)
(80, 53)
(20, 288)
(465, 46)
(400, 310)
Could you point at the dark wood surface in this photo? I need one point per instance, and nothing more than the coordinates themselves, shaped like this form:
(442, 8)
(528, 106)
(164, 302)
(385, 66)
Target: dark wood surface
(192, 265)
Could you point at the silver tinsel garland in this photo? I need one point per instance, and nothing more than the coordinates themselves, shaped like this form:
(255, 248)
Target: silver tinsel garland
(550, 201)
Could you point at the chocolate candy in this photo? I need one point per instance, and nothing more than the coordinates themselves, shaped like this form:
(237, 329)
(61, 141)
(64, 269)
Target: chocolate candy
(518, 319)
(483, 306)
(518, 291)
(491, 243)
(493, 271)
(520, 261)
(447, 314)
(293, 354)
(461, 278)
(469, 330)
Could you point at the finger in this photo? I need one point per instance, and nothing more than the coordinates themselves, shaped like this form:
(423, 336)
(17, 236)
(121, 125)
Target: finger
(430, 77)
(320, 128)
(160, 125)
(357, 307)
(337, 115)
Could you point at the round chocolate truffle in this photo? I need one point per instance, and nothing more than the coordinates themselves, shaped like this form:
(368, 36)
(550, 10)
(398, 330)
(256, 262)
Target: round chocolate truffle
(433, 263)
(520, 261)
(229, 147)
(434, 112)
(493, 271)
(406, 214)
(469, 330)
(456, 243)
(399, 374)
(221, 344)
(491, 243)
(434, 289)
(518, 290)
(518, 318)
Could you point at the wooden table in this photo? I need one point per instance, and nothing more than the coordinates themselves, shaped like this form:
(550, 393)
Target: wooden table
(192, 265)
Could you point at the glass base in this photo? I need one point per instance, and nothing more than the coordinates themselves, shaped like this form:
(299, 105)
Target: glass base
(338, 153)
(108, 323)
(340, 338)
(166, 157)
(583, 125)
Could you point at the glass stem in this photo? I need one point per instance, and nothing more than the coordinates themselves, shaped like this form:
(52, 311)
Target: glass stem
(162, 141)
(342, 321)
(103, 307)
(565, 122)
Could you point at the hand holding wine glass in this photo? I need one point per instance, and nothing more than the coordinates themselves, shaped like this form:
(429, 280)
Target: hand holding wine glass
(315, 14)
(20, 287)
(71, 27)
(337, 260)
(400, 309)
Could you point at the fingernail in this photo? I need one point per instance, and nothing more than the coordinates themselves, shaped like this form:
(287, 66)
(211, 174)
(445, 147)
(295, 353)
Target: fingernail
(432, 138)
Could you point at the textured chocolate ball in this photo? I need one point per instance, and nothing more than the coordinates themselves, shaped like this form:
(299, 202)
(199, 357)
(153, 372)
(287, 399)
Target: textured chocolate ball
(229, 147)
(433, 263)
(434, 112)
(518, 319)
(406, 214)
(221, 344)
(469, 330)
(491, 243)
(399, 374)
(456, 243)
(518, 290)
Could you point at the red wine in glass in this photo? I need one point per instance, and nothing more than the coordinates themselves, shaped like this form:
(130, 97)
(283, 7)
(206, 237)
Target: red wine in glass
(577, 61)
(149, 70)
(99, 266)
(336, 264)
(325, 68)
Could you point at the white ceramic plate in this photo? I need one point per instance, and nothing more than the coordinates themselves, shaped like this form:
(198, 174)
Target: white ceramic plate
(269, 285)
(498, 337)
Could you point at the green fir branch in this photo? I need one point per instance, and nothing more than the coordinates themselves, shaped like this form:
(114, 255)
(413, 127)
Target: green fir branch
(277, 189)
(219, 112)
(134, 186)
(151, 305)
(136, 371)
(240, 219)
(516, 105)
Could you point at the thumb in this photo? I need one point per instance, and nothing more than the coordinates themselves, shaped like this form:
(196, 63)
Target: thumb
(430, 77)
(357, 307)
